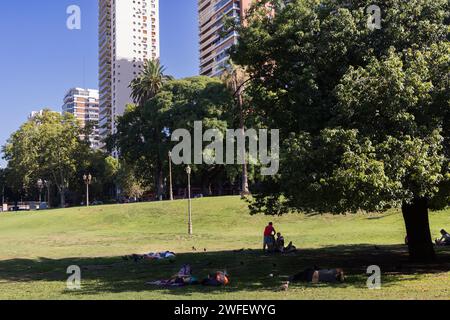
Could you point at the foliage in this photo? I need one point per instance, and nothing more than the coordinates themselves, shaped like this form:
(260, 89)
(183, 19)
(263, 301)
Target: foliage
(48, 147)
(148, 83)
(363, 114)
(144, 133)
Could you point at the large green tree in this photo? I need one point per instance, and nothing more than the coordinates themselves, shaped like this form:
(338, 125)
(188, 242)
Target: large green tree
(363, 112)
(144, 133)
(204, 99)
(141, 142)
(143, 88)
(49, 147)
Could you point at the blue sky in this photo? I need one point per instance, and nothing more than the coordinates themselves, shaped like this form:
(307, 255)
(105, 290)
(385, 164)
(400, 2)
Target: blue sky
(40, 58)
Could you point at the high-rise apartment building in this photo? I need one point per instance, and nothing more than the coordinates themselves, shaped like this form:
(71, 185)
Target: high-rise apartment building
(84, 105)
(213, 46)
(128, 35)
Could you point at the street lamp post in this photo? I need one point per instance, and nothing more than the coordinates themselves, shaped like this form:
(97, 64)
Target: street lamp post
(87, 180)
(40, 185)
(189, 171)
(170, 177)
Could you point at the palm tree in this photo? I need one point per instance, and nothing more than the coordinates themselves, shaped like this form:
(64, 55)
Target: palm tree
(147, 84)
(143, 88)
(235, 77)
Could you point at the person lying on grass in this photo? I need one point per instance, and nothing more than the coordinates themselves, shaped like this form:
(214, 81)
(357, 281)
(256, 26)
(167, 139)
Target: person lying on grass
(317, 275)
(151, 256)
(444, 240)
(184, 277)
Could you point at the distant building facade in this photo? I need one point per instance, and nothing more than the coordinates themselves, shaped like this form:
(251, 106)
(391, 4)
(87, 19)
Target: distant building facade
(84, 105)
(213, 46)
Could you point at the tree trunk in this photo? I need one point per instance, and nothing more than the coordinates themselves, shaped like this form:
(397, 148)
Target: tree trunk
(244, 188)
(204, 183)
(420, 244)
(159, 180)
(220, 188)
(62, 196)
(160, 184)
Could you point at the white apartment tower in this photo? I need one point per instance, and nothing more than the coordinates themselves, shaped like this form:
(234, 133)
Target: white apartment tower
(128, 35)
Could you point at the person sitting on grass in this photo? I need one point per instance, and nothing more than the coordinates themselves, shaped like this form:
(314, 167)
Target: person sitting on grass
(444, 240)
(184, 277)
(269, 237)
(290, 248)
(279, 243)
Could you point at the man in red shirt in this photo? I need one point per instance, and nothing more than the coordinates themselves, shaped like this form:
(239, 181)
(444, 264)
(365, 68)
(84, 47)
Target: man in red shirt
(269, 233)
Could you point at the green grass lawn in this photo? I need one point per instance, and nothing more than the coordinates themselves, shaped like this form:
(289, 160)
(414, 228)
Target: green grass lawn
(37, 247)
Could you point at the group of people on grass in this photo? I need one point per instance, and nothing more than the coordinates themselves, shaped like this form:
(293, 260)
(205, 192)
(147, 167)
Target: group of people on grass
(275, 244)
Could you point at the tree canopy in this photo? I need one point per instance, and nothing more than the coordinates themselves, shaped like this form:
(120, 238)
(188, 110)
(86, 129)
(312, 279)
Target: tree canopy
(147, 84)
(363, 113)
(144, 133)
(48, 146)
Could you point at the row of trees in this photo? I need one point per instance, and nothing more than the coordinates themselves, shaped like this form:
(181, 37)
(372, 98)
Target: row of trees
(46, 147)
(50, 146)
(164, 105)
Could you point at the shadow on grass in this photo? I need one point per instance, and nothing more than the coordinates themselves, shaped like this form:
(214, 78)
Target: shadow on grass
(249, 270)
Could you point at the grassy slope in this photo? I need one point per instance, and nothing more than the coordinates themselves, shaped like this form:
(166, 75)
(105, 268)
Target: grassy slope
(36, 248)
